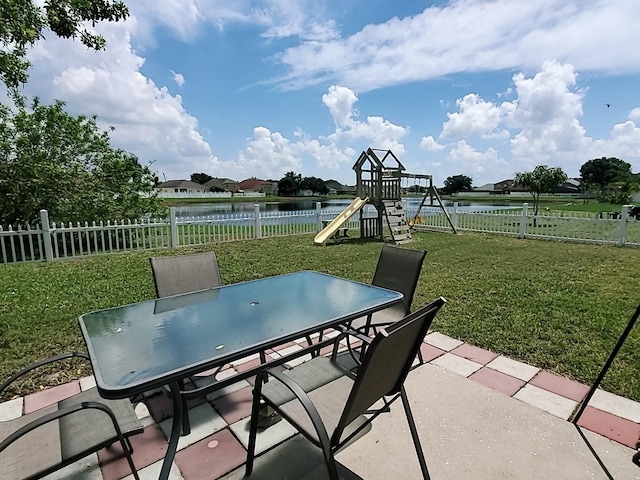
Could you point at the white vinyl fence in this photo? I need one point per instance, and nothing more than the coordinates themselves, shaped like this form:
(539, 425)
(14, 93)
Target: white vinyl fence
(614, 229)
(54, 241)
(50, 241)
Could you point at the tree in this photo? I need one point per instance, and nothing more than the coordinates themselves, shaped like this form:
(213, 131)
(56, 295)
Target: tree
(200, 178)
(22, 23)
(315, 184)
(457, 183)
(543, 179)
(289, 185)
(52, 160)
(604, 171)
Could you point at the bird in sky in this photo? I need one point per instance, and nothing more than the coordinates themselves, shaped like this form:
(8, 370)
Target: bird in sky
(608, 105)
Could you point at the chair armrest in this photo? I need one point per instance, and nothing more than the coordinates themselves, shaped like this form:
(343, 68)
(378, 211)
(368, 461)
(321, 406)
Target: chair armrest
(63, 412)
(302, 397)
(33, 366)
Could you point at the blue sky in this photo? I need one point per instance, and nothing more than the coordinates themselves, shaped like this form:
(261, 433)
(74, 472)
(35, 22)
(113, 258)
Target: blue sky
(258, 88)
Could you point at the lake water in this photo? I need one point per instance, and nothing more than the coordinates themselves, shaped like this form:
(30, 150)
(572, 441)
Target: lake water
(412, 204)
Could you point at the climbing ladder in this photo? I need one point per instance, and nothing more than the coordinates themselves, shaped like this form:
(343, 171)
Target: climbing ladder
(397, 221)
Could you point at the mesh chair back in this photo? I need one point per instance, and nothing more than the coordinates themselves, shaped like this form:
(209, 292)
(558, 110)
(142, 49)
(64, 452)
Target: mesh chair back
(387, 362)
(185, 273)
(399, 269)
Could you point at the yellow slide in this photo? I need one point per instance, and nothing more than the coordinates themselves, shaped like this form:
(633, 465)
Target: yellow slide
(341, 219)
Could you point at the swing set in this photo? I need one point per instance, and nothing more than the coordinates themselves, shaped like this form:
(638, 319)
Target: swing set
(379, 179)
(430, 197)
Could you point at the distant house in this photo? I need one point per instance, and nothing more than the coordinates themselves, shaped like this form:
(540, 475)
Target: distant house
(336, 188)
(225, 184)
(181, 186)
(507, 187)
(268, 187)
(571, 186)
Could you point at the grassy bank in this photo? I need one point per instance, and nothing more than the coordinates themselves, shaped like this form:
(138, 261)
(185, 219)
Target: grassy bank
(558, 306)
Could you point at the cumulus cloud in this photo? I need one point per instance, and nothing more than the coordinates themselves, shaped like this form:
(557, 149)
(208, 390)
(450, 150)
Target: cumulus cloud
(430, 143)
(178, 78)
(476, 117)
(478, 163)
(541, 126)
(489, 36)
(380, 132)
(149, 121)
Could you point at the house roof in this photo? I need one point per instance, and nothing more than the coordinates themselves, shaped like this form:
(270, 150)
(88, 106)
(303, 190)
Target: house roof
(216, 182)
(188, 184)
(250, 183)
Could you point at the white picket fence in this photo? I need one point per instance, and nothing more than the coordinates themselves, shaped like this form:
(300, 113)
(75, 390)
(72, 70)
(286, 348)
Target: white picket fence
(618, 229)
(52, 241)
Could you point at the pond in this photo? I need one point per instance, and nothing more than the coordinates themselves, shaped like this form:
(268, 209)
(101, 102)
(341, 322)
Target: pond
(411, 203)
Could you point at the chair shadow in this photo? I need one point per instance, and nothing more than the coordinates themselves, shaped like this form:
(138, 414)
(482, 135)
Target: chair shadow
(296, 459)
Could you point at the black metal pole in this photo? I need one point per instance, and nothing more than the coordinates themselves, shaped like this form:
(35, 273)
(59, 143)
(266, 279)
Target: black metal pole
(608, 363)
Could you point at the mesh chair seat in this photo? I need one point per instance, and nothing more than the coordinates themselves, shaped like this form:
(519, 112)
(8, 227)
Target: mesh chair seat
(43, 441)
(327, 403)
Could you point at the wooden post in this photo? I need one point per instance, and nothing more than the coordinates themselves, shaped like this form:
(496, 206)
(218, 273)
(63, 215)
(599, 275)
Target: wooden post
(46, 235)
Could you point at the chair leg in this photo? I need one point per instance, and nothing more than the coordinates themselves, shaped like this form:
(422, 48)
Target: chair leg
(331, 462)
(186, 425)
(414, 434)
(253, 425)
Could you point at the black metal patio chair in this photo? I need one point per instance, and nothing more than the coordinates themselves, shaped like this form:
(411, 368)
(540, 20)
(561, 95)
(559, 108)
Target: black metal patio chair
(46, 440)
(185, 273)
(326, 402)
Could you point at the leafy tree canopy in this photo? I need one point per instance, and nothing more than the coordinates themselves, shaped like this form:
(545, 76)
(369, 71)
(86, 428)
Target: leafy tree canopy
(200, 178)
(52, 160)
(289, 185)
(22, 23)
(457, 183)
(604, 171)
(315, 184)
(542, 179)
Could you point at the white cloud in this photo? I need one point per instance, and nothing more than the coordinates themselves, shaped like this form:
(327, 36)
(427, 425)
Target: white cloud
(380, 132)
(479, 164)
(546, 112)
(178, 78)
(340, 101)
(472, 36)
(430, 143)
(542, 124)
(149, 121)
(476, 117)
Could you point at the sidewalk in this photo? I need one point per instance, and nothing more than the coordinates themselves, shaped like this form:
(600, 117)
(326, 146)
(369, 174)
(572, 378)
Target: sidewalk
(480, 416)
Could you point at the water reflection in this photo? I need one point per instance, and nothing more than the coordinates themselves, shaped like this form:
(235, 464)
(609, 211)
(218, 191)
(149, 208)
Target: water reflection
(412, 203)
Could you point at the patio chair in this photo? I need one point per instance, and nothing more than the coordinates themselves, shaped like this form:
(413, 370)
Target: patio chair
(397, 269)
(46, 440)
(185, 273)
(330, 414)
(180, 274)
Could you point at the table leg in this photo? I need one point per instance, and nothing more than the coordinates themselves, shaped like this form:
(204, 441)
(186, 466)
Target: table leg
(176, 425)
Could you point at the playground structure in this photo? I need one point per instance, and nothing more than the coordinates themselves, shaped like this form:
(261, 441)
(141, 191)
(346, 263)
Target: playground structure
(379, 181)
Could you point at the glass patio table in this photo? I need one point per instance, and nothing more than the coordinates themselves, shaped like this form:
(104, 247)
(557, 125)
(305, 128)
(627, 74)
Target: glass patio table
(142, 346)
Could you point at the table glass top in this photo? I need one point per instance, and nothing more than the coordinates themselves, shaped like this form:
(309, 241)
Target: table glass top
(144, 344)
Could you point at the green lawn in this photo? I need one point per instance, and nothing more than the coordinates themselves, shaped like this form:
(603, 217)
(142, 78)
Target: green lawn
(558, 306)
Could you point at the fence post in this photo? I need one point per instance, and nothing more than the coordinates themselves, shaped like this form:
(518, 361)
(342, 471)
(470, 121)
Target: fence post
(624, 216)
(173, 223)
(524, 221)
(257, 225)
(454, 215)
(46, 235)
(318, 216)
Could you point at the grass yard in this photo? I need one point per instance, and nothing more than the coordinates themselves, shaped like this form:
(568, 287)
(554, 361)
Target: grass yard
(558, 306)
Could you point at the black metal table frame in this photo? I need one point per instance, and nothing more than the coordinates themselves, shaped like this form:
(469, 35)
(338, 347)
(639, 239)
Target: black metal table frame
(175, 379)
